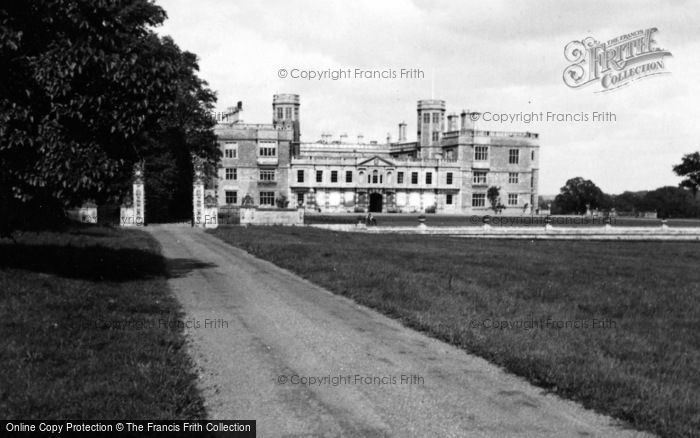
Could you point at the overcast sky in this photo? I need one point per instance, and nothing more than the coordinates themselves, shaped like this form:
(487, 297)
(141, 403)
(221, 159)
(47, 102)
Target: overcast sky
(488, 56)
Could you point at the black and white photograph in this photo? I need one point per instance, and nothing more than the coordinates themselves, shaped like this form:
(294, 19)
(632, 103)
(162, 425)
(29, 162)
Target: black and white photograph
(308, 218)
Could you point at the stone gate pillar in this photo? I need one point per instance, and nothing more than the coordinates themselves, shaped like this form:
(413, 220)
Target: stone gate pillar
(139, 195)
(133, 211)
(198, 192)
(205, 209)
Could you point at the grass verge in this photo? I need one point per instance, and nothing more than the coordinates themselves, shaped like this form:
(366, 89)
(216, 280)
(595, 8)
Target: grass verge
(89, 329)
(613, 325)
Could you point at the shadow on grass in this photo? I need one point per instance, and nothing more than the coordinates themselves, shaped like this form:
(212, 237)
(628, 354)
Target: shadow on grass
(95, 262)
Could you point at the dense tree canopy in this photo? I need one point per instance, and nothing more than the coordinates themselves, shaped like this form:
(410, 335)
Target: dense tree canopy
(88, 89)
(690, 169)
(187, 129)
(578, 195)
(628, 201)
(669, 201)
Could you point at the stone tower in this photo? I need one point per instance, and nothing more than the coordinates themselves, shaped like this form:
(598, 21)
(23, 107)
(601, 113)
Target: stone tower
(431, 125)
(285, 113)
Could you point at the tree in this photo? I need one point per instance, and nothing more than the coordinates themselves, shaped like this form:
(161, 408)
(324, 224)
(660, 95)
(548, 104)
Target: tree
(578, 195)
(689, 168)
(188, 129)
(494, 196)
(670, 202)
(282, 202)
(628, 201)
(87, 90)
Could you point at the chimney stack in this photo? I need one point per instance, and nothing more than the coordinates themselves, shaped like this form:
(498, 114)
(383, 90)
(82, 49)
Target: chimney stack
(232, 114)
(452, 122)
(402, 132)
(360, 139)
(343, 137)
(466, 120)
(388, 138)
(470, 119)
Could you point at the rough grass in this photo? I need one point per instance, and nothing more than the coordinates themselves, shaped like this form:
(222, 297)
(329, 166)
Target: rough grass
(87, 329)
(639, 364)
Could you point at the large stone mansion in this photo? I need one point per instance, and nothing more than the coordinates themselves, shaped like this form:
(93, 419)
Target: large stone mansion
(447, 170)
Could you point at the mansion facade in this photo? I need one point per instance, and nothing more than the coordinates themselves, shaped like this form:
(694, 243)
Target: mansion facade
(448, 169)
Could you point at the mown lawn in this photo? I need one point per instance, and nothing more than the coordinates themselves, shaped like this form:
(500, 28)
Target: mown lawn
(462, 220)
(89, 329)
(631, 350)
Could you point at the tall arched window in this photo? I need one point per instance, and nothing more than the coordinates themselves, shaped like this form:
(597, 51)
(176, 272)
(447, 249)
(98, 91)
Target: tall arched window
(375, 177)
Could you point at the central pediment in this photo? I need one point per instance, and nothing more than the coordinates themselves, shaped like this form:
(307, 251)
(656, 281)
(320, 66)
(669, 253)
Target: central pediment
(376, 161)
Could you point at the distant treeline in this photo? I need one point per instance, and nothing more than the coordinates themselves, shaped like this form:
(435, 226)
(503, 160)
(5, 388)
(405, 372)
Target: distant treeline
(579, 196)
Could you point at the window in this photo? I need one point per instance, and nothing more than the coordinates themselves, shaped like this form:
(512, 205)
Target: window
(268, 149)
(448, 199)
(532, 155)
(319, 176)
(436, 117)
(436, 136)
(429, 177)
(399, 178)
(231, 173)
(481, 153)
(532, 180)
(280, 114)
(414, 177)
(375, 177)
(512, 199)
(334, 176)
(348, 176)
(479, 178)
(426, 118)
(288, 113)
(449, 178)
(478, 199)
(513, 178)
(230, 150)
(267, 198)
(231, 197)
(300, 176)
(300, 199)
(267, 174)
(513, 156)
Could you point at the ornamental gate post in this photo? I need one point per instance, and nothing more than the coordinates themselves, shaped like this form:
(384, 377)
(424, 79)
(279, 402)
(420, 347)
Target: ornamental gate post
(133, 210)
